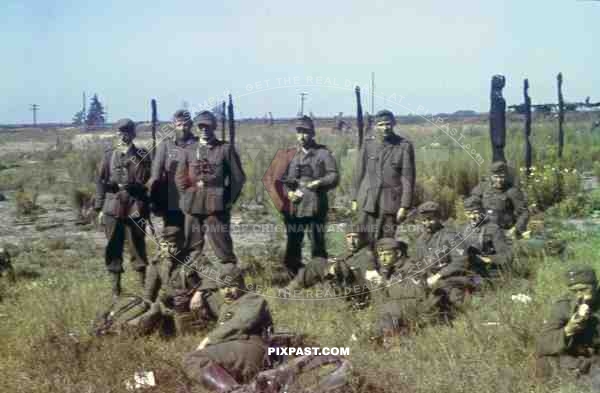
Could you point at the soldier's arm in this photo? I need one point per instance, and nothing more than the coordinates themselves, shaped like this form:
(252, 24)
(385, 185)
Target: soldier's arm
(332, 176)
(182, 180)
(552, 339)
(237, 176)
(102, 180)
(521, 212)
(247, 316)
(456, 254)
(359, 170)
(408, 175)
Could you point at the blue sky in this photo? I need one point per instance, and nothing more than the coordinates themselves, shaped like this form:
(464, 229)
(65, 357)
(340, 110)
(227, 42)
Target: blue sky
(437, 55)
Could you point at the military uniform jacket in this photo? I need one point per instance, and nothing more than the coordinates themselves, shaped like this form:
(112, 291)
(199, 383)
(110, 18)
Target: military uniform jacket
(485, 239)
(163, 188)
(209, 177)
(120, 187)
(553, 342)
(507, 208)
(317, 163)
(384, 176)
(441, 252)
(246, 318)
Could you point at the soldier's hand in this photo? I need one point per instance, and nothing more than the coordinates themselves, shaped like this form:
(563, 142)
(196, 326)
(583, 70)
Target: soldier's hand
(100, 218)
(203, 344)
(512, 232)
(313, 185)
(577, 321)
(486, 259)
(526, 235)
(354, 206)
(431, 281)
(196, 302)
(401, 215)
(374, 277)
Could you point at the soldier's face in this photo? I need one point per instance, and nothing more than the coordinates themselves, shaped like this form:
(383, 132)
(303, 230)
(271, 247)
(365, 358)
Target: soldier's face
(583, 292)
(182, 127)
(352, 241)
(125, 138)
(384, 128)
(230, 294)
(473, 215)
(386, 258)
(303, 137)
(429, 222)
(206, 132)
(498, 180)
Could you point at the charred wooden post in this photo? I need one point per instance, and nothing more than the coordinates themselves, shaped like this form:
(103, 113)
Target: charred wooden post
(498, 118)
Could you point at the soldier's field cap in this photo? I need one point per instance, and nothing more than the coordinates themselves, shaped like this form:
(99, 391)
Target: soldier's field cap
(385, 115)
(182, 114)
(428, 208)
(498, 167)
(581, 275)
(472, 203)
(305, 123)
(125, 125)
(206, 118)
(387, 243)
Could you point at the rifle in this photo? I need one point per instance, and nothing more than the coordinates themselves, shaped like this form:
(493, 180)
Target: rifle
(101, 326)
(359, 118)
(154, 121)
(231, 122)
(223, 119)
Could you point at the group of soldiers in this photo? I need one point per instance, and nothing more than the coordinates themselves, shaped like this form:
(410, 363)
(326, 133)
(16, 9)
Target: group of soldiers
(195, 179)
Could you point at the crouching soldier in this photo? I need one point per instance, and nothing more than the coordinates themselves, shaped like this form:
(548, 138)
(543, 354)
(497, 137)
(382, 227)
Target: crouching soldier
(540, 241)
(441, 257)
(406, 302)
(569, 339)
(488, 251)
(348, 273)
(234, 352)
(122, 203)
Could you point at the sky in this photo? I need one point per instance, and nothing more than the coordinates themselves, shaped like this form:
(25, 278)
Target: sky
(428, 56)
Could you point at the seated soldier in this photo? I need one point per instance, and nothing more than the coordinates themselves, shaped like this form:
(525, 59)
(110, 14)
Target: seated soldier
(347, 272)
(407, 301)
(489, 254)
(441, 258)
(234, 352)
(569, 337)
(540, 241)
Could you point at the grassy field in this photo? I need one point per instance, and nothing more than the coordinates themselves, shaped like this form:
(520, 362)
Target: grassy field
(62, 285)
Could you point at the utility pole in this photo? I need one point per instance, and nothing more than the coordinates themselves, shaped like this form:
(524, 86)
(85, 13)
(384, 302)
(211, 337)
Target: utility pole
(34, 108)
(372, 92)
(302, 98)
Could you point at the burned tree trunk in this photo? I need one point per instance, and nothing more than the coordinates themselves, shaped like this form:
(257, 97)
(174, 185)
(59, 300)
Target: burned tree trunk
(498, 118)
(561, 115)
(527, 103)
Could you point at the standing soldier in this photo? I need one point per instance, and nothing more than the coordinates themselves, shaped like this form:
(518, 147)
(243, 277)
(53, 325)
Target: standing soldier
(489, 253)
(122, 203)
(384, 179)
(210, 179)
(234, 352)
(311, 173)
(502, 201)
(569, 337)
(165, 201)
